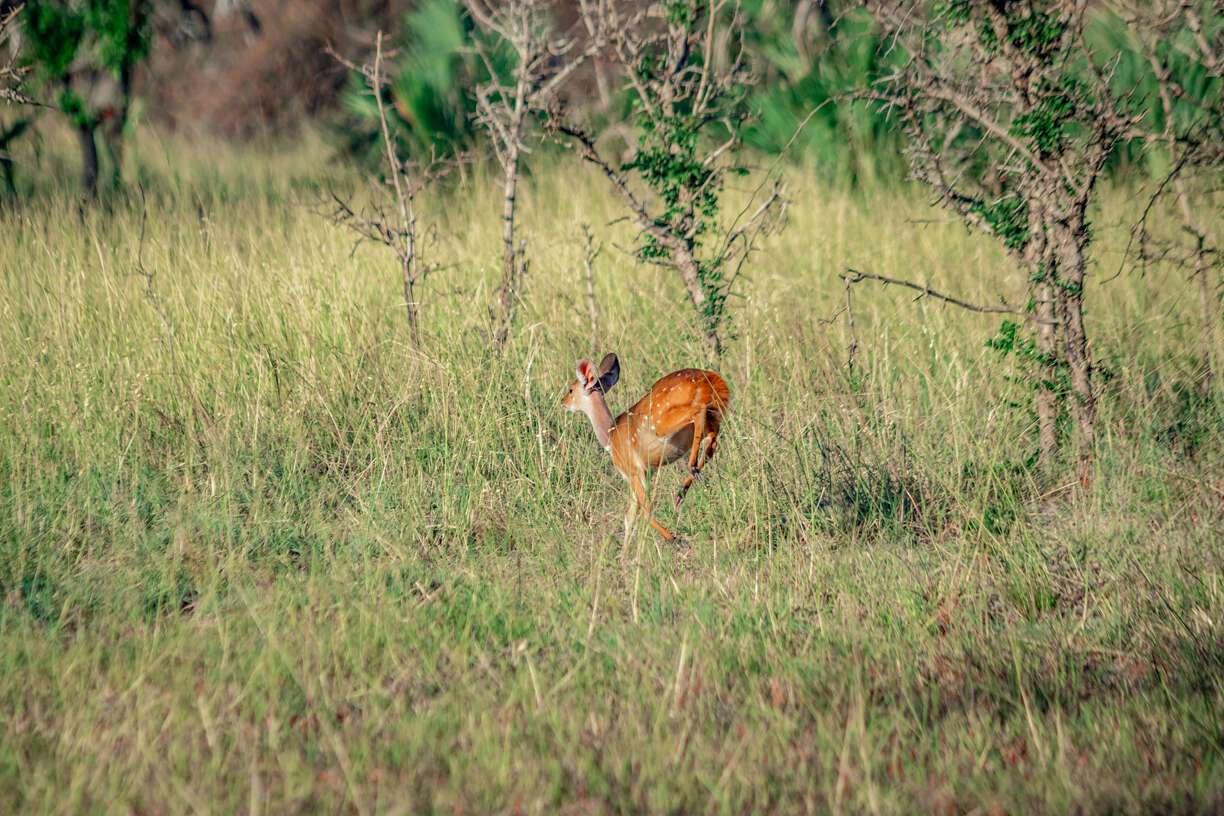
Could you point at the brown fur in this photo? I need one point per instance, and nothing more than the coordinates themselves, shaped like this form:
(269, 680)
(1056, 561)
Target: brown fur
(680, 415)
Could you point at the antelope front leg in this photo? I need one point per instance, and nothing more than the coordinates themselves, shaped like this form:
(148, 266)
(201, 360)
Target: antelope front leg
(639, 494)
(630, 516)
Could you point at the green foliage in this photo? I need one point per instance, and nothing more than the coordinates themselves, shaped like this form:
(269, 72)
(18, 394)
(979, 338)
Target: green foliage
(73, 107)
(1008, 219)
(1016, 338)
(1036, 32)
(54, 32)
(1036, 371)
(111, 34)
(953, 13)
(1029, 31)
(122, 31)
(1053, 120)
(433, 81)
(679, 12)
(669, 165)
(817, 73)
(674, 146)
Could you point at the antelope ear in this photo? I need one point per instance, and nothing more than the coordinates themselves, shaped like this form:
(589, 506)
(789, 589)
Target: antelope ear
(609, 372)
(586, 371)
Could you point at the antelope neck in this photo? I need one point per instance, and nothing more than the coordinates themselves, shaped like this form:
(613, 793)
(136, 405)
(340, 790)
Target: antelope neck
(601, 418)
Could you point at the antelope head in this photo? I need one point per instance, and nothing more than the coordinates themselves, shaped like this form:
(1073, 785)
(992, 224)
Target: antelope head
(591, 382)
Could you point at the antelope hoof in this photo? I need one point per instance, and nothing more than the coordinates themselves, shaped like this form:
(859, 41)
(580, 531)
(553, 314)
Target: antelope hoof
(697, 475)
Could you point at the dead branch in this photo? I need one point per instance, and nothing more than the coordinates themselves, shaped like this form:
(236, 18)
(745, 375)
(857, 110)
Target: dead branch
(506, 107)
(852, 349)
(397, 234)
(639, 215)
(852, 276)
(12, 72)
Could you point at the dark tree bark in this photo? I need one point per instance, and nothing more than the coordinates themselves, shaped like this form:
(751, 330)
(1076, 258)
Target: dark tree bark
(89, 158)
(1072, 264)
(686, 265)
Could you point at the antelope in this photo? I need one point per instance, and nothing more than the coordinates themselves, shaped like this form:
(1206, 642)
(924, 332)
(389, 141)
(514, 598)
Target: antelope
(680, 415)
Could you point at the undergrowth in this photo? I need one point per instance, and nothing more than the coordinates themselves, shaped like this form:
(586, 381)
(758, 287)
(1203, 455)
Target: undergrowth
(269, 555)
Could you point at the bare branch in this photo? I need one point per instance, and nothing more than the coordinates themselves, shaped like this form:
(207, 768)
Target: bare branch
(855, 276)
(979, 116)
(401, 236)
(589, 255)
(638, 211)
(849, 310)
(11, 73)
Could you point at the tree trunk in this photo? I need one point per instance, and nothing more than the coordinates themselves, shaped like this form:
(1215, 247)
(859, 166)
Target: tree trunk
(410, 302)
(686, 265)
(1070, 240)
(512, 264)
(1046, 398)
(115, 131)
(89, 159)
(507, 294)
(1038, 264)
(6, 159)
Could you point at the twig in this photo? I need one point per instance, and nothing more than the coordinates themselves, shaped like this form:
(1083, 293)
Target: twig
(401, 238)
(11, 72)
(407, 213)
(588, 258)
(855, 276)
(853, 348)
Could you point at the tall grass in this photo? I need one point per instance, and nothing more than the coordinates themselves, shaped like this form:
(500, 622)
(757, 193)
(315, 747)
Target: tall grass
(267, 555)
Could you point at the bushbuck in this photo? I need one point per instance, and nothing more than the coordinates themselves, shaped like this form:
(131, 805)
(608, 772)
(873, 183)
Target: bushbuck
(680, 416)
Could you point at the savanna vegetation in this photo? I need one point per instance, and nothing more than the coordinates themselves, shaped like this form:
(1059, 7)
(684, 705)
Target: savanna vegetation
(269, 545)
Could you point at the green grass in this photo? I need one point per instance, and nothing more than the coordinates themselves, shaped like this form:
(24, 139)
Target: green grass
(270, 557)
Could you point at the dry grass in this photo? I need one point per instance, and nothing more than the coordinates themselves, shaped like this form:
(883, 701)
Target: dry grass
(286, 561)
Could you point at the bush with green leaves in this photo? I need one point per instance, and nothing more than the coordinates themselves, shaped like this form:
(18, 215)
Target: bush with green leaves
(73, 46)
(431, 88)
(811, 58)
(689, 78)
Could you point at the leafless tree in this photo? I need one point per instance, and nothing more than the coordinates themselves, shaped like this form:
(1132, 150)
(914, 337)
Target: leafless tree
(398, 232)
(1010, 119)
(506, 106)
(684, 65)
